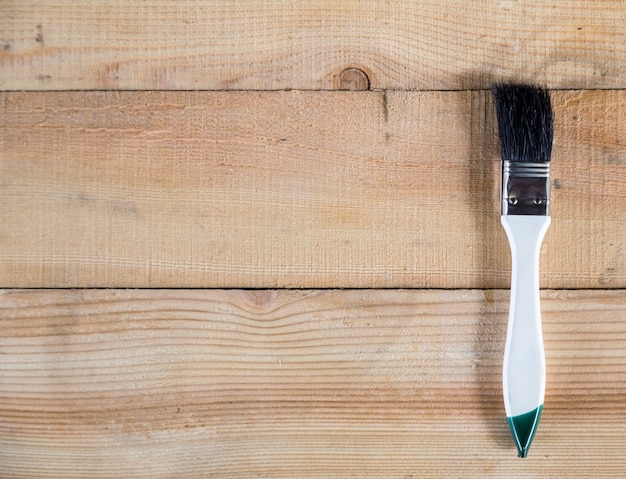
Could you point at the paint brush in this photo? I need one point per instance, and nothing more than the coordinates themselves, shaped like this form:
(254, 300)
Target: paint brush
(525, 126)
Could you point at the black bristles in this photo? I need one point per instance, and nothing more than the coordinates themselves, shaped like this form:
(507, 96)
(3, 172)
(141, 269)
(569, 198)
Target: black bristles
(525, 122)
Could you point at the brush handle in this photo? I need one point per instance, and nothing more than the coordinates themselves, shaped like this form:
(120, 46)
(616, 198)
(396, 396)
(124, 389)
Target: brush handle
(524, 368)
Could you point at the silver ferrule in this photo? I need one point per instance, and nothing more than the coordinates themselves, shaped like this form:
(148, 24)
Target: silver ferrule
(525, 189)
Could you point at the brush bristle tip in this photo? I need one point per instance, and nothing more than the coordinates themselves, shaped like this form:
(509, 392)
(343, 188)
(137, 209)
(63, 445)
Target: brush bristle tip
(525, 122)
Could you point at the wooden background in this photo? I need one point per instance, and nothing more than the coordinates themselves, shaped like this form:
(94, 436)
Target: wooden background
(261, 238)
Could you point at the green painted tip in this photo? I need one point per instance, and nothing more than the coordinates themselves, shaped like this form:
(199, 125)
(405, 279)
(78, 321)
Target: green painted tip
(523, 428)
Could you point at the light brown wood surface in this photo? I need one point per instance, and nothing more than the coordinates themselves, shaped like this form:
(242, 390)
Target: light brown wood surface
(307, 384)
(276, 44)
(294, 189)
(392, 188)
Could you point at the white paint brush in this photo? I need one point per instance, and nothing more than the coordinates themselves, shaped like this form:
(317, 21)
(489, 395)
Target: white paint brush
(525, 125)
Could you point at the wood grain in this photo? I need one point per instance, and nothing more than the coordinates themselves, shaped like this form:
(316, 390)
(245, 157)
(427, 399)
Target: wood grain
(294, 189)
(300, 384)
(275, 44)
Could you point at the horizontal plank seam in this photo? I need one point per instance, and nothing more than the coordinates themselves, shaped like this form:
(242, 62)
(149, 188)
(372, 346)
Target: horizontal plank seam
(318, 90)
(322, 288)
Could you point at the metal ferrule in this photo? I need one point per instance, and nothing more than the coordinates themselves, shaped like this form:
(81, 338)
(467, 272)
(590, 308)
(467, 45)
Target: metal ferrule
(525, 189)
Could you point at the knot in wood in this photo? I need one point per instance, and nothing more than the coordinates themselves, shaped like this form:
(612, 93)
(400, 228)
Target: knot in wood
(353, 79)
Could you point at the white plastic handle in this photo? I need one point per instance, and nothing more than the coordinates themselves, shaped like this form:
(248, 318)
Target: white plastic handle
(524, 368)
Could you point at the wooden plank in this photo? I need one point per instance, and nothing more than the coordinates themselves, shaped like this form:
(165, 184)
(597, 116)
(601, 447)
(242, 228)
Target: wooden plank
(292, 189)
(275, 44)
(300, 384)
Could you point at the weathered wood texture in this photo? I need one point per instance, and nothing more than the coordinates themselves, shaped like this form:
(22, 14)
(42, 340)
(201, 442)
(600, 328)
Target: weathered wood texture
(294, 189)
(275, 44)
(307, 384)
